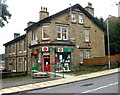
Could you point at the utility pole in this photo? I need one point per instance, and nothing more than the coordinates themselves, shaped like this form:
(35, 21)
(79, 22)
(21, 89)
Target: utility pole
(119, 9)
(118, 4)
(108, 42)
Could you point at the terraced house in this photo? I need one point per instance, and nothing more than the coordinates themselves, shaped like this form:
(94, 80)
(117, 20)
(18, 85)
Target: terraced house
(15, 53)
(62, 40)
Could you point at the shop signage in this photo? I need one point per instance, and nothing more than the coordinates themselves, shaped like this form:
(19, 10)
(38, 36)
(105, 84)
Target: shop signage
(64, 49)
(60, 49)
(45, 49)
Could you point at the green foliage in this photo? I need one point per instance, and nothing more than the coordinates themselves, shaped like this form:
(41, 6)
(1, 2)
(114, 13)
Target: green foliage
(100, 21)
(114, 29)
(4, 14)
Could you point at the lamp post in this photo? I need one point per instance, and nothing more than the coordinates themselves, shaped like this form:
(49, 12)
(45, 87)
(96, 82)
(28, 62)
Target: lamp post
(108, 42)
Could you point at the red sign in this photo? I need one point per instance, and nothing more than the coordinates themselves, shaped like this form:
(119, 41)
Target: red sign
(45, 49)
(60, 49)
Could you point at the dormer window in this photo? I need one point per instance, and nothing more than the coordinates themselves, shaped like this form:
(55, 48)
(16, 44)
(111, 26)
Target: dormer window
(45, 32)
(73, 17)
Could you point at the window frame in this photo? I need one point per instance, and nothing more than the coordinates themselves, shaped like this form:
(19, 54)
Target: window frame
(20, 46)
(14, 48)
(34, 35)
(87, 54)
(87, 34)
(73, 17)
(81, 19)
(62, 27)
(47, 31)
(25, 44)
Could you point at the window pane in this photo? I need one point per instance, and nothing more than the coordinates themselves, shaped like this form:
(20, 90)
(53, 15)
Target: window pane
(59, 32)
(59, 35)
(87, 54)
(86, 35)
(65, 30)
(73, 17)
(81, 18)
(45, 32)
(20, 46)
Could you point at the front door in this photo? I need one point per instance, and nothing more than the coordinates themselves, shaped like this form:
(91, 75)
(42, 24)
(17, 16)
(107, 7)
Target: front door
(46, 63)
(81, 56)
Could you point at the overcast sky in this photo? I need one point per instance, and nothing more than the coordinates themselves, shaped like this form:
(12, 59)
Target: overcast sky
(28, 10)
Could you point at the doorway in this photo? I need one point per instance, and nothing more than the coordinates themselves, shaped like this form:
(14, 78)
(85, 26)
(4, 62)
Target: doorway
(46, 62)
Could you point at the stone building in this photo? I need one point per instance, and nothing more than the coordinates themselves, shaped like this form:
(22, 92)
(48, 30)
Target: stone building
(64, 39)
(60, 41)
(15, 53)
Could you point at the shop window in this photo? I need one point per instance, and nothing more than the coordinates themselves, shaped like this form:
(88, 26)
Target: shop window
(45, 32)
(63, 61)
(62, 32)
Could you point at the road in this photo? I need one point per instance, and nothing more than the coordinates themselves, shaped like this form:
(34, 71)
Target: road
(104, 84)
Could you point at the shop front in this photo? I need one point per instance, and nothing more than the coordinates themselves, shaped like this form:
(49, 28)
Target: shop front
(45, 59)
(40, 59)
(63, 59)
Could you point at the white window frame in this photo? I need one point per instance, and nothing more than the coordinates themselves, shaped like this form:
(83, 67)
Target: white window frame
(73, 17)
(87, 35)
(66, 33)
(60, 32)
(61, 27)
(81, 19)
(43, 32)
(87, 54)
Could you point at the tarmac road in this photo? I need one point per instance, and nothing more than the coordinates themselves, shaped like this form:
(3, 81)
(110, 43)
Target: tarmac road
(104, 84)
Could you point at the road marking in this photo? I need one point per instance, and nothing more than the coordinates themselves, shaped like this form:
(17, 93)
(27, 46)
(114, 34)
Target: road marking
(100, 87)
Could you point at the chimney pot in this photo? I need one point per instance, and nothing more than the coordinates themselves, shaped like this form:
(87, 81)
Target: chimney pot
(16, 35)
(43, 13)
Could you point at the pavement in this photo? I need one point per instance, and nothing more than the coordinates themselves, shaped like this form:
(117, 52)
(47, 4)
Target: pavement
(66, 79)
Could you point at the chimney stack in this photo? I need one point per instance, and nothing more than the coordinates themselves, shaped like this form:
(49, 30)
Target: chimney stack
(16, 35)
(43, 13)
(89, 9)
(30, 23)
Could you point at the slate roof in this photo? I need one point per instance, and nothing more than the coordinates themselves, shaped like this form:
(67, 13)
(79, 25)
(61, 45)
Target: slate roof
(66, 11)
(15, 40)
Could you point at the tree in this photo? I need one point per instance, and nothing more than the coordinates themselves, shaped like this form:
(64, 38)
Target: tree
(114, 36)
(114, 33)
(4, 13)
